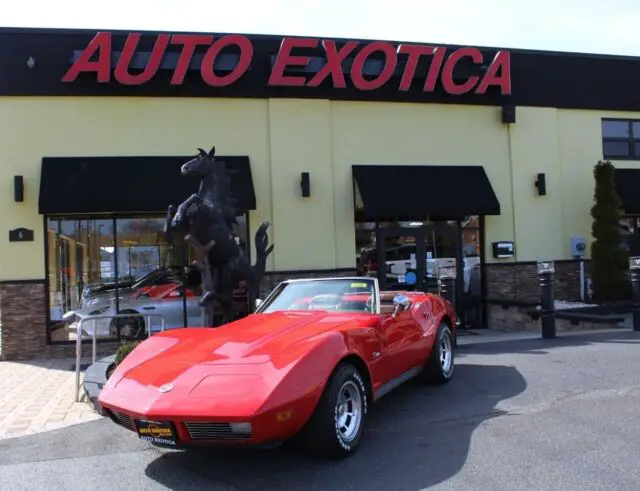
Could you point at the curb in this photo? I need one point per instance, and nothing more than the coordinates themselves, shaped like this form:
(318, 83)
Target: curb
(95, 377)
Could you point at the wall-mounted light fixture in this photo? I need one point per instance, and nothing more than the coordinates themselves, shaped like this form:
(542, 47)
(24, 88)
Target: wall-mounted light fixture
(508, 114)
(541, 184)
(305, 184)
(18, 189)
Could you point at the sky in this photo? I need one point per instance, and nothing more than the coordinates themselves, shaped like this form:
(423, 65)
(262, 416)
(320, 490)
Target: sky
(609, 27)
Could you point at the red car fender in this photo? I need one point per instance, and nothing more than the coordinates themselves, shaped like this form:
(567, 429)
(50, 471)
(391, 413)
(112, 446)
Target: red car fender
(303, 385)
(442, 309)
(147, 349)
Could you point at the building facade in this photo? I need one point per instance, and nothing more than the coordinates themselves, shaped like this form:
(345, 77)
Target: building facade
(481, 157)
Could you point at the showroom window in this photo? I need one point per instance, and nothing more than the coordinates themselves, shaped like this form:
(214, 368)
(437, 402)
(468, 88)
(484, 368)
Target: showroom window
(97, 262)
(621, 139)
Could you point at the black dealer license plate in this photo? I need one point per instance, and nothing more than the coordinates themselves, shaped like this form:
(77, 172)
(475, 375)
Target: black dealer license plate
(162, 432)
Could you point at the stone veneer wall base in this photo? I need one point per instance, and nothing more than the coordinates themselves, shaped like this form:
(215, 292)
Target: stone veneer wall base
(519, 281)
(22, 320)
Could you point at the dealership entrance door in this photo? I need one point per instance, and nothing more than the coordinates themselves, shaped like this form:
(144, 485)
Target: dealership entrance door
(409, 257)
(424, 216)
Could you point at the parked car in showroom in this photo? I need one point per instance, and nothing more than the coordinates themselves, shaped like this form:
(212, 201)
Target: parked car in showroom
(167, 301)
(99, 293)
(307, 366)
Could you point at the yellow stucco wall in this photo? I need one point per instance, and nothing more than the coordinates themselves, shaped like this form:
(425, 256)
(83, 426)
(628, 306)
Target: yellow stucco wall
(284, 137)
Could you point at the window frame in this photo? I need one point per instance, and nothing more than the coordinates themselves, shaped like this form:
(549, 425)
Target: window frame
(632, 140)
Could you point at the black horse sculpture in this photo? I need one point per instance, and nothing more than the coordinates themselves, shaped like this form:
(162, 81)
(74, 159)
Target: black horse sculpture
(207, 218)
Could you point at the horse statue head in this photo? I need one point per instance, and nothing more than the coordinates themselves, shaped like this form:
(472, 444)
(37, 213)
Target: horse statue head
(215, 184)
(201, 165)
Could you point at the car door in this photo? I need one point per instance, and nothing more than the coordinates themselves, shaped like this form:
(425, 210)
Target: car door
(402, 334)
(169, 306)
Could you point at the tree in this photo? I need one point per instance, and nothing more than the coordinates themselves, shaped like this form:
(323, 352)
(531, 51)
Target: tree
(609, 261)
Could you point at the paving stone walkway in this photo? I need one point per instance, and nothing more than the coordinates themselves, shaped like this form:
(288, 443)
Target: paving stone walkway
(39, 395)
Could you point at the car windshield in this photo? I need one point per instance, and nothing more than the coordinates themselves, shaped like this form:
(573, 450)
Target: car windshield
(337, 295)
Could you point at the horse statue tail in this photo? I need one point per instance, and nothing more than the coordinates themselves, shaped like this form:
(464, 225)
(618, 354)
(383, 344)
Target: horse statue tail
(263, 249)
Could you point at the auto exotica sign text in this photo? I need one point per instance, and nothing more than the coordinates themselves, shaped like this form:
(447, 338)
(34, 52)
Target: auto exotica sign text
(96, 57)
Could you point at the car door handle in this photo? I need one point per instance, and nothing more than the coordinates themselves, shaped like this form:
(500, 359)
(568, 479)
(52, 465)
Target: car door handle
(148, 308)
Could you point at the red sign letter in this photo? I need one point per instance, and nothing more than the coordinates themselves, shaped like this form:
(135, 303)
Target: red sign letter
(101, 44)
(333, 67)
(434, 70)
(450, 86)
(388, 68)
(285, 58)
(244, 60)
(121, 72)
(189, 43)
(501, 62)
(415, 51)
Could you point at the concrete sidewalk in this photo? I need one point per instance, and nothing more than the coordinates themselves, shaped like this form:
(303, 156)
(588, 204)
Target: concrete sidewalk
(496, 336)
(475, 336)
(37, 396)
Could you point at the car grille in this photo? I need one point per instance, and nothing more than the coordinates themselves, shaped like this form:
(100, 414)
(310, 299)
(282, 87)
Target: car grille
(214, 431)
(124, 420)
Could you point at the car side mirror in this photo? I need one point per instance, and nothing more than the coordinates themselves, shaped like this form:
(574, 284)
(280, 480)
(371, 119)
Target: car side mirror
(258, 302)
(400, 302)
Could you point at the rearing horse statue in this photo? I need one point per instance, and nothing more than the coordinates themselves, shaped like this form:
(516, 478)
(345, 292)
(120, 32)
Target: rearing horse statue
(208, 217)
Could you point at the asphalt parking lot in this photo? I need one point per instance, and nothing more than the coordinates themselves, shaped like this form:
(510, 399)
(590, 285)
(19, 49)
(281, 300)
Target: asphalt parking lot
(531, 414)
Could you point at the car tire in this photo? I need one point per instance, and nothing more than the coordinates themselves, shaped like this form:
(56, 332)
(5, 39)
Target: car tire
(333, 432)
(441, 363)
(131, 328)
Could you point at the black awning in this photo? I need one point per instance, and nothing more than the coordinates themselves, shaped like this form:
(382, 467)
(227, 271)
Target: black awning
(413, 191)
(128, 184)
(628, 188)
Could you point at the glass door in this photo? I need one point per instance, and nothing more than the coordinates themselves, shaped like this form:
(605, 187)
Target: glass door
(442, 249)
(399, 266)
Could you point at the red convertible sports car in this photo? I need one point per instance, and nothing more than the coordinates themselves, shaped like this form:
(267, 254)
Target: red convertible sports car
(306, 366)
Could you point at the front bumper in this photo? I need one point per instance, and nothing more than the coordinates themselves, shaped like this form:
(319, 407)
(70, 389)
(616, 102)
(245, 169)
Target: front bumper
(210, 433)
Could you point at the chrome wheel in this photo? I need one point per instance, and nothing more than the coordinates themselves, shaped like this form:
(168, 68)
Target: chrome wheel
(446, 352)
(348, 411)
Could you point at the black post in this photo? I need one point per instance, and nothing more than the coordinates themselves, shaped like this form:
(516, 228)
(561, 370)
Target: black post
(634, 273)
(448, 290)
(546, 273)
(447, 287)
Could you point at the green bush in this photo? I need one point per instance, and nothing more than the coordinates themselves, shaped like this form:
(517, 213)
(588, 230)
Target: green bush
(610, 261)
(124, 350)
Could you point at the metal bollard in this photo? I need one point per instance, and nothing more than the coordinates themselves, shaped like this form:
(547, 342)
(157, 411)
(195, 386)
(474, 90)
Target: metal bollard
(634, 274)
(447, 288)
(546, 274)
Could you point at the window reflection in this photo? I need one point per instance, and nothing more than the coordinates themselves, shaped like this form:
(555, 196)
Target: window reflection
(139, 244)
(80, 255)
(98, 266)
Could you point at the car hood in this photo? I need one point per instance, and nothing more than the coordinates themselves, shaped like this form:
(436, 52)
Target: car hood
(259, 338)
(239, 363)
